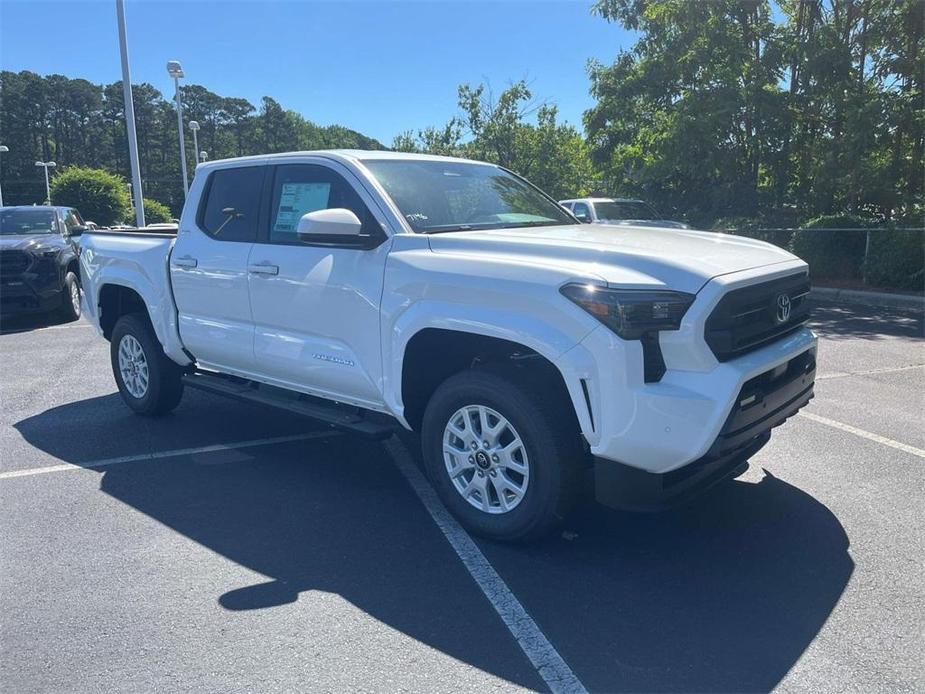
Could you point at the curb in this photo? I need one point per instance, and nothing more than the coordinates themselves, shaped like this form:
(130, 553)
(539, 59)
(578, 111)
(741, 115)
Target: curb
(857, 296)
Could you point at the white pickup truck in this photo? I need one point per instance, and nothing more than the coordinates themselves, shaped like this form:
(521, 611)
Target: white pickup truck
(537, 357)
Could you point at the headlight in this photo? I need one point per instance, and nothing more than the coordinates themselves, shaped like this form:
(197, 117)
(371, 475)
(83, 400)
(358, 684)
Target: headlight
(631, 313)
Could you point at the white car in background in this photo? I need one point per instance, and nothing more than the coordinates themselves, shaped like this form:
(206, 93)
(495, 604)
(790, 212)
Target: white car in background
(623, 211)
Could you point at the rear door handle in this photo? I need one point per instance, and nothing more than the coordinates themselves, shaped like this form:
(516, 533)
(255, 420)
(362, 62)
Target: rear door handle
(185, 261)
(263, 269)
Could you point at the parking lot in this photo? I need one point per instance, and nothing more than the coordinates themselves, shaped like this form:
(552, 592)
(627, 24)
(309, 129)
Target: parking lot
(228, 547)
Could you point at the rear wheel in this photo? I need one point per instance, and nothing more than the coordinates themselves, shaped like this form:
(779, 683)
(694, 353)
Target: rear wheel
(148, 380)
(70, 298)
(501, 455)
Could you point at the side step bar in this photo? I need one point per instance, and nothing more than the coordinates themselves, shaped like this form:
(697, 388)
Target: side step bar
(362, 422)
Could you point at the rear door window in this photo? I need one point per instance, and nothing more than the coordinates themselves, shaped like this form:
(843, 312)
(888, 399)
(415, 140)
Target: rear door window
(231, 205)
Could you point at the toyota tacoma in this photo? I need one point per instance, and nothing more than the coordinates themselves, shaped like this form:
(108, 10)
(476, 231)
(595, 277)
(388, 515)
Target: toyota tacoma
(537, 358)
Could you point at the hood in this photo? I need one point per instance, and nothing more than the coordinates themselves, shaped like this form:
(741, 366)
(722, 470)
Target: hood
(625, 256)
(30, 242)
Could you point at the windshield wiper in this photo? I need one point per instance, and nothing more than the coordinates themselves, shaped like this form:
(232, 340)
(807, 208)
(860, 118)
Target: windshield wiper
(462, 227)
(547, 223)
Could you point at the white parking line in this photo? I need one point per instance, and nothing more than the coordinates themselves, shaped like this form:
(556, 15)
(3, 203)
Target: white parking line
(865, 434)
(869, 372)
(555, 672)
(142, 457)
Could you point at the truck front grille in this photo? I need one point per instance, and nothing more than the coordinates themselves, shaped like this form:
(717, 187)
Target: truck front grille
(13, 262)
(751, 317)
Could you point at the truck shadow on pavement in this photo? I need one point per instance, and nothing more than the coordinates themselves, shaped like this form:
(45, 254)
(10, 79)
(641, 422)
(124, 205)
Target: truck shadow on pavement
(724, 595)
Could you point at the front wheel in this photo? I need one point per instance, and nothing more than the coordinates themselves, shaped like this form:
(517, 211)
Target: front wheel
(149, 381)
(70, 298)
(500, 454)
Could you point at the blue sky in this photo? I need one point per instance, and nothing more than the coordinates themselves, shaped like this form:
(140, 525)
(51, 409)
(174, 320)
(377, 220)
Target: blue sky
(377, 67)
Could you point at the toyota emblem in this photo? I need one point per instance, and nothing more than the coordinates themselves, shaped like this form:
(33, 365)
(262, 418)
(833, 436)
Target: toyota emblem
(783, 308)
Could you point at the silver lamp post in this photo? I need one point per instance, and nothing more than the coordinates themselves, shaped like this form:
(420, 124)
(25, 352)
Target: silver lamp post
(194, 126)
(3, 150)
(175, 70)
(130, 117)
(47, 165)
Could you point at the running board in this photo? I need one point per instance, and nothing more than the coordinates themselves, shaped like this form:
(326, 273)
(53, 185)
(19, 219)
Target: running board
(362, 422)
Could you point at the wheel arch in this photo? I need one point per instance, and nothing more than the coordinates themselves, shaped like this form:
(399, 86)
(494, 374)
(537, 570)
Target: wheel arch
(433, 354)
(116, 300)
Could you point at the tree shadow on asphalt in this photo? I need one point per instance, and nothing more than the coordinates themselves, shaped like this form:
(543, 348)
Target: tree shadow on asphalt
(853, 321)
(722, 595)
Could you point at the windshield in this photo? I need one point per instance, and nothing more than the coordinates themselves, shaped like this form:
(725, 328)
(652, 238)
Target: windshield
(629, 209)
(27, 221)
(436, 196)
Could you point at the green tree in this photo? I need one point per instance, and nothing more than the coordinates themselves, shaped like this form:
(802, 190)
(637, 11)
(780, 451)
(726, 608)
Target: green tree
(99, 195)
(75, 122)
(687, 117)
(550, 154)
(724, 108)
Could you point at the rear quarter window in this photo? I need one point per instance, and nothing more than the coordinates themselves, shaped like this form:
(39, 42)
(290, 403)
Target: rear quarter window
(230, 206)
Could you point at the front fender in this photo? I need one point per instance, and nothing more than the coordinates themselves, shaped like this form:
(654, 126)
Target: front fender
(530, 331)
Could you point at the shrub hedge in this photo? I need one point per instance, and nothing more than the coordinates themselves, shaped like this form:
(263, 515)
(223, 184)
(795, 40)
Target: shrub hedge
(832, 247)
(100, 196)
(896, 259)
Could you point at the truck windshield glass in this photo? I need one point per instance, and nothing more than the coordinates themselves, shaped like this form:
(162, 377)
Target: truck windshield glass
(630, 209)
(27, 222)
(438, 196)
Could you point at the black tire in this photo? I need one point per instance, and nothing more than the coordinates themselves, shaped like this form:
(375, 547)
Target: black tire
(554, 454)
(70, 309)
(164, 387)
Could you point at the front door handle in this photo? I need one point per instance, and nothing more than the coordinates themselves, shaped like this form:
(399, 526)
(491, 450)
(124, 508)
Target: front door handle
(263, 269)
(185, 261)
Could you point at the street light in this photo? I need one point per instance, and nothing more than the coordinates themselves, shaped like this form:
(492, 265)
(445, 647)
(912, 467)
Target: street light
(46, 165)
(194, 126)
(130, 116)
(3, 150)
(175, 70)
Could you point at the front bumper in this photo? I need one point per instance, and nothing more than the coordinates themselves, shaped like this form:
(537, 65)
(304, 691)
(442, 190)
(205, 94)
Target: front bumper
(29, 294)
(763, 402)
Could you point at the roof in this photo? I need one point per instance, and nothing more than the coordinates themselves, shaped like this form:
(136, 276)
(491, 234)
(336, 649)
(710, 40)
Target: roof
(341, 154)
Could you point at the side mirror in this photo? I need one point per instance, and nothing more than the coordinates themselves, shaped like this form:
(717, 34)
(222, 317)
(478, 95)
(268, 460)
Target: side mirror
(78, 230)
(336, 221)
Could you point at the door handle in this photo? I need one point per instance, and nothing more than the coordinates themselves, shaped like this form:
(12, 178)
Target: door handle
(185, 261)
(263, 269)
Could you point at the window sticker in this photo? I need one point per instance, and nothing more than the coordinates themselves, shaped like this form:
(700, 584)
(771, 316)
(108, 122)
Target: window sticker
(297, 199)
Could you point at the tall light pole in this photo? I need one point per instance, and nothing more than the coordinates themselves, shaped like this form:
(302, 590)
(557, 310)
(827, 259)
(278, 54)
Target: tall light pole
(175, 70)
(3, 149)
(194, 126)
(130, 117)
(47, 165)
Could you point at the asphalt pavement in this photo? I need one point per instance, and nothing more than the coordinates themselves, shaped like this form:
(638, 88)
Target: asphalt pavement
(229, 547)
